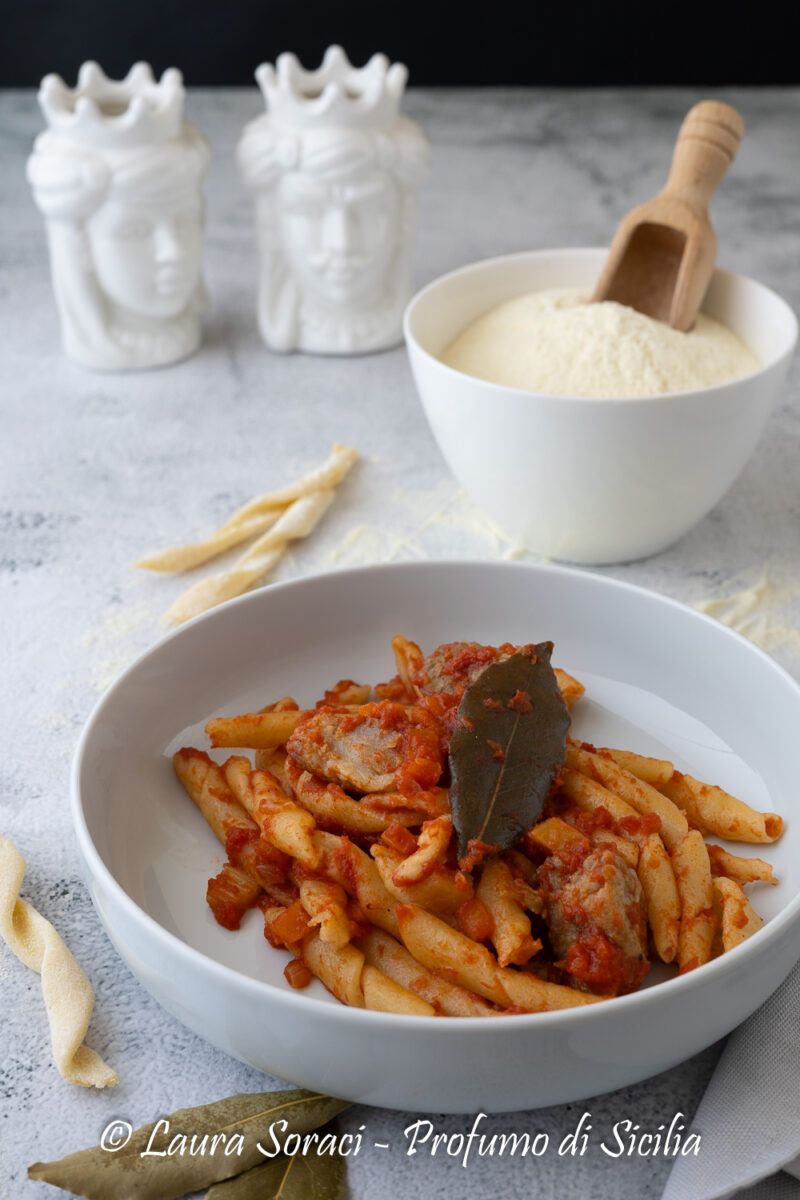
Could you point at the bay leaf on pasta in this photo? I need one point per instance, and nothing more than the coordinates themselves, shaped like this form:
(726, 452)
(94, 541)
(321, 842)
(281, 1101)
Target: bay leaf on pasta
(244, 1119)
(508, 746)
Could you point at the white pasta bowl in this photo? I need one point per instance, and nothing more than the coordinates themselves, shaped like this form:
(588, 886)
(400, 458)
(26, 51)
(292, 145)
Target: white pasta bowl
(660, 678)
(592, 480)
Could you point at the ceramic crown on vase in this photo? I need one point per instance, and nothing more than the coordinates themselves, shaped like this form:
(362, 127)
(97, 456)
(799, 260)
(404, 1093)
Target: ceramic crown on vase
(117, 176)
(335, 169)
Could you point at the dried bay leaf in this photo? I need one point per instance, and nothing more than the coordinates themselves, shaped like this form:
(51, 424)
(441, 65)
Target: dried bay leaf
(508, 746)
(130, 1174)
(296, 1178)
(309, 1176)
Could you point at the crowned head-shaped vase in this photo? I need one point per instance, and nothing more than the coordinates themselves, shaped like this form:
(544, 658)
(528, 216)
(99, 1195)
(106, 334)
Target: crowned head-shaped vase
(117, 176)
(335, 169)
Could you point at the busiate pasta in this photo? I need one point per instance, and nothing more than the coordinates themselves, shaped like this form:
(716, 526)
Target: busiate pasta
(340, 831)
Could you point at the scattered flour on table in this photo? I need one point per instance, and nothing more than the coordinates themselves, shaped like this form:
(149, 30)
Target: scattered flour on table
(54, 722)
(442, 523)
(60, 733)
(116, 639)
(762, 611)
(554, 341)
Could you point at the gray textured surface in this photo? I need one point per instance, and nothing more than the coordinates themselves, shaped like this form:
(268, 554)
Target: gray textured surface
(95, 470)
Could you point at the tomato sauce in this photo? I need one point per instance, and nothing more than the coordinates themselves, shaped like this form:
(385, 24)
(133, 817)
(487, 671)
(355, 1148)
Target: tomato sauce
(297, 974)
(398, 838)
(269, 856)
(443, 709)
(344, 859)
(291, 926)
(569, 860)
(520, 702)
(602, 965)
(645, 823)
(475, 920)
(498, 753)
(225, 901)
(477, 851)
(237, 837)
(333, 696)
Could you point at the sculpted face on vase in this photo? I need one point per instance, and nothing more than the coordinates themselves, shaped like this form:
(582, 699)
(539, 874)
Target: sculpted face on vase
(117, 176)
(335, 169)
(340, 235)
(147, 257)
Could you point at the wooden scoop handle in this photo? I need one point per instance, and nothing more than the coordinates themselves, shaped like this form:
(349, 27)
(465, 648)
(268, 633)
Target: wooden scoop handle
(707, 143)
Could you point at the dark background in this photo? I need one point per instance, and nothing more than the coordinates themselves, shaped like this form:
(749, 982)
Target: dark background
(445, 42)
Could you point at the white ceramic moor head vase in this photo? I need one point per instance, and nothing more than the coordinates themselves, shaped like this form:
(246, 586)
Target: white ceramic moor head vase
(117, 176)
(335, 169)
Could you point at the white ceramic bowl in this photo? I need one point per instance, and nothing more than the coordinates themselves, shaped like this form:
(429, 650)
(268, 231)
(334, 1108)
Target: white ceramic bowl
(660, 678)
(592, 480)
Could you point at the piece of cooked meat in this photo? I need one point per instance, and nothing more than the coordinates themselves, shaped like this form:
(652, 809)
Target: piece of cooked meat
(454, 666)
(360, 753)
(604, 894)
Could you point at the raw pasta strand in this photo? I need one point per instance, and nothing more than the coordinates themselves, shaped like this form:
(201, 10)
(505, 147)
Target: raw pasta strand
(321, 478)
(254, 517)
(194, 554)
(68, 994)
(296, 522)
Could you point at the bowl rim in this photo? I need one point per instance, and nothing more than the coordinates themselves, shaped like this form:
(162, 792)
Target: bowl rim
(567, 397)
(498, 1025)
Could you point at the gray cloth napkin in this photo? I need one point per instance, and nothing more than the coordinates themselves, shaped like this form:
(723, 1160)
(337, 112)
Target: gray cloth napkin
(777, 1187)
(749, 1117)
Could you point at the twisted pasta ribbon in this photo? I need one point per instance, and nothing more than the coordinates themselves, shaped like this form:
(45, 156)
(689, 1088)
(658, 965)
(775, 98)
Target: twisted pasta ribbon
(255, 517)
(68, 994)
(295, 522)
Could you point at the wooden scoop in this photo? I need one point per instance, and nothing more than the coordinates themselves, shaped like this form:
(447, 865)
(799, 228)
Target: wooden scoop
(663, 253)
